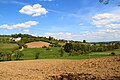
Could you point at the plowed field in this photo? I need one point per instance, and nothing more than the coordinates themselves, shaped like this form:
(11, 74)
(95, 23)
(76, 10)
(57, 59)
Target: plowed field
(37, 44)
(89, 69)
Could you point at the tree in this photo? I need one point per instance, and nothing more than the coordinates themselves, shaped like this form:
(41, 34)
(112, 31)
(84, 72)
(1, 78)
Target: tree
(84, 41)
(50, 38)
(112, 53)
(68, 47)
(106, 1)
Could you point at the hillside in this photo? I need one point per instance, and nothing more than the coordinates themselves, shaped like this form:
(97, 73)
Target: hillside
(89, 69)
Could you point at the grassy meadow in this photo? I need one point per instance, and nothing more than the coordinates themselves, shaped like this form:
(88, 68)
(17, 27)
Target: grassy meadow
(7, 46)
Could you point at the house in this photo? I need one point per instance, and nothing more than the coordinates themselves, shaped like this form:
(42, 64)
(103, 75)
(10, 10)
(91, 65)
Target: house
(16, 39)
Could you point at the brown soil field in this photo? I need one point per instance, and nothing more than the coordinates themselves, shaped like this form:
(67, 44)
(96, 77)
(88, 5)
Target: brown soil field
(37, 44)
(107, 68)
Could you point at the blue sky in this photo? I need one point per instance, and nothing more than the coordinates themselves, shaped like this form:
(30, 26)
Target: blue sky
(62, 19)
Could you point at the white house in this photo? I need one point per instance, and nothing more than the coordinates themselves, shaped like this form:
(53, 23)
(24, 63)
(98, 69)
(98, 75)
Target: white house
(18, 39)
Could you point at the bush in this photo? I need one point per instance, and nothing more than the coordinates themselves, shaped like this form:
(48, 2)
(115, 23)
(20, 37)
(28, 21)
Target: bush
(25, 46)
(55, 45)
(81, 52)
(68, 47)
(112, 53)
(18, 55)
(2, 56)
(61, 52)
(5, 56)
(37, 55)
(74, 53)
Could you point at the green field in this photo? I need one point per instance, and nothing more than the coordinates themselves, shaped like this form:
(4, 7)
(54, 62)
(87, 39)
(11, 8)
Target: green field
(53, 53)
(7, 46)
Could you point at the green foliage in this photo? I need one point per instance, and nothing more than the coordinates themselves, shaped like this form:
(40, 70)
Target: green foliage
(50, 38)
(5, 56)
(18, 55)
(113, 53)
(84, 41)
(56, 44)
(37, 55)
(14, 49)
(81, 52)
(74, 53)
(68, 47)
(61, 52)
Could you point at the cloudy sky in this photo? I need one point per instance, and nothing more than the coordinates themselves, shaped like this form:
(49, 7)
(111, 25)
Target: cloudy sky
(62, 19)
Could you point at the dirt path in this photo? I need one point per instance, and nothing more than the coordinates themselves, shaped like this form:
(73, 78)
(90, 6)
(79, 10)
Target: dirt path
(21, 49)
(89, 69)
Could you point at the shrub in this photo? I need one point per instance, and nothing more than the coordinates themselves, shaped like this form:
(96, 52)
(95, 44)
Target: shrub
(56, 44)
(37, 55)
(74, 53)
(18, 55)
(68, 47)
(5, 56)
(61, 52)
(8, 56)
(80, 52)
(25, 46)
(112, 53)
(2, 56)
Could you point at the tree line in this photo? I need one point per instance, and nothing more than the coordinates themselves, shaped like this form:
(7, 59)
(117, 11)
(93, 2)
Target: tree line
(80, 48)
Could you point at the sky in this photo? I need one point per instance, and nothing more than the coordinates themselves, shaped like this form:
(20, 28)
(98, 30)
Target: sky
(78, 20)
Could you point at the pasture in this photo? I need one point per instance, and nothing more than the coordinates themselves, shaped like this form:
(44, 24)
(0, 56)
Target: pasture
(7, 46)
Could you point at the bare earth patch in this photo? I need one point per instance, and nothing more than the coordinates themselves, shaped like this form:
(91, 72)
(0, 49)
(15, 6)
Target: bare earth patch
(37, 44)
(90, 69)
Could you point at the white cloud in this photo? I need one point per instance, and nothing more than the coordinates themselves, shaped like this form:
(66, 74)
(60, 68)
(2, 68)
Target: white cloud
(114, 26)
(100, 35)
(109, 25)
(35, 10)
(59, 35)
(20, 25)
(106, 20)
